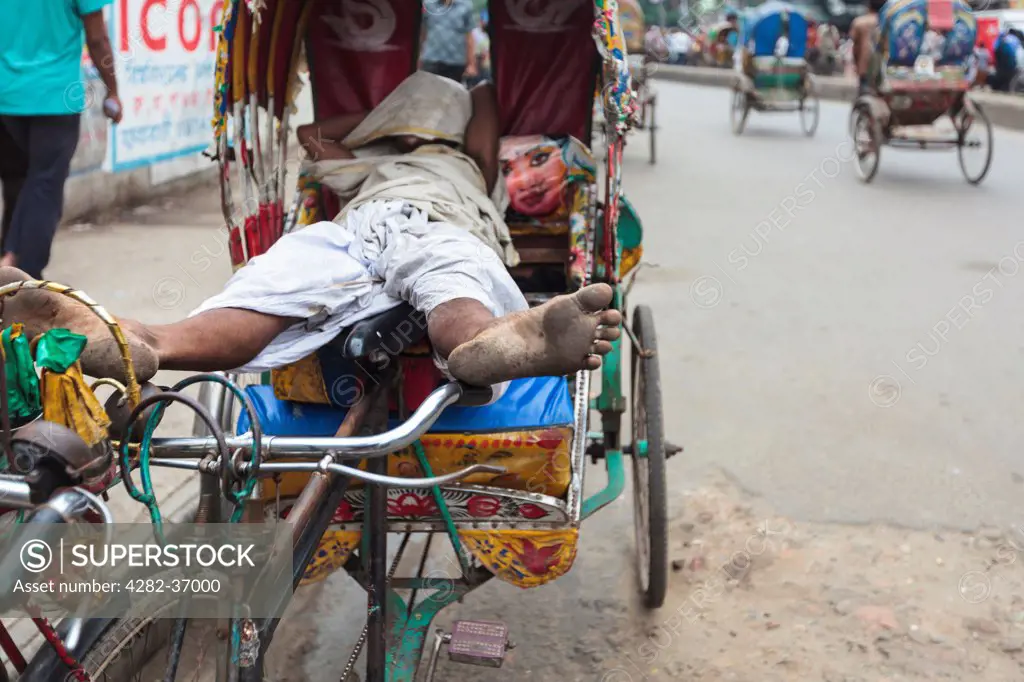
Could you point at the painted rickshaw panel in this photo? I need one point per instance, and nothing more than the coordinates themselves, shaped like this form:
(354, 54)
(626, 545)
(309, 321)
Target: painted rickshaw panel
(903, 25)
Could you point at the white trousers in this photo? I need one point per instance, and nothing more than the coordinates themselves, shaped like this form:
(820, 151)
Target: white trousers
(331, 276)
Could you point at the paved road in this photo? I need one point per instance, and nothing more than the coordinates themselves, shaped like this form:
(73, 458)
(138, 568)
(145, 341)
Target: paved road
(848, 353)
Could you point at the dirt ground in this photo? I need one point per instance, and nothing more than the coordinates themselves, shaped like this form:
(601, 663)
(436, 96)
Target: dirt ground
(755, 596)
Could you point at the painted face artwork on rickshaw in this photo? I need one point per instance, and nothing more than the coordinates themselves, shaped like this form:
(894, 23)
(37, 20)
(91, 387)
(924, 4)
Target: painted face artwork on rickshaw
(535, 175)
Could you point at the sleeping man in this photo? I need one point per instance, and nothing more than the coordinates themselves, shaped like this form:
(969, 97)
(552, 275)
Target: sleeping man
(422, 222)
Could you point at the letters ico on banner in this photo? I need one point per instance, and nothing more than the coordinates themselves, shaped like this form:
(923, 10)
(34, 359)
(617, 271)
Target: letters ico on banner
(165, 60)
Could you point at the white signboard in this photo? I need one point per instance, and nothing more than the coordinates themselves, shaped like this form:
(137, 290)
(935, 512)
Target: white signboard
(166, 55)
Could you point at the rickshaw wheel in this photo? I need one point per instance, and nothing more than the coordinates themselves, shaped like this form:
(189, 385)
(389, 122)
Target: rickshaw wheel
(867, 142)
(739, 112)
(650, 495)
(810, 113)
(966, 122)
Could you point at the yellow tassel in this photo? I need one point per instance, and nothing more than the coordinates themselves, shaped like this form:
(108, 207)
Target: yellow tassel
(67, 400)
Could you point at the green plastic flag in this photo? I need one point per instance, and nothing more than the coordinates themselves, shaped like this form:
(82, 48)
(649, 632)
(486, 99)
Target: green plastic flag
(58, 349)
(22, 383)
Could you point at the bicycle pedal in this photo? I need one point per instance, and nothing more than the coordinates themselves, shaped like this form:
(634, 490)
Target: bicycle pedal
(479, 642)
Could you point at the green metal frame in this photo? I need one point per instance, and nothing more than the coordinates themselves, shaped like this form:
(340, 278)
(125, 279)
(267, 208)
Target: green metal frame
(409, 631)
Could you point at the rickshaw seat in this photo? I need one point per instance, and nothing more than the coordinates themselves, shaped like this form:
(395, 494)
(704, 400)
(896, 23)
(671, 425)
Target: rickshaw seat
(532, 403)
(528, 432)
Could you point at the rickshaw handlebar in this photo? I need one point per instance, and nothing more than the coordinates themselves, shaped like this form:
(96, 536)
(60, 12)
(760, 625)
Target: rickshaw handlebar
(361, 447)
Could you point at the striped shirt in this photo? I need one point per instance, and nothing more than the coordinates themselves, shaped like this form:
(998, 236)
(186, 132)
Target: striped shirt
(447, 28)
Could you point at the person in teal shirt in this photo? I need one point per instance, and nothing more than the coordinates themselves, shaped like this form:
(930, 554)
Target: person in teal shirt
(42, 96)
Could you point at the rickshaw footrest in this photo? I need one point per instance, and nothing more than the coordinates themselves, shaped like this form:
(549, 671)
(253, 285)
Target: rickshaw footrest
(479, 642)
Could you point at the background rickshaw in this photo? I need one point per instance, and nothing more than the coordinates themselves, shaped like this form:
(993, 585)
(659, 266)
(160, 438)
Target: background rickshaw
(364, 438)
(920, 74)
(642, 65)
(773, 71)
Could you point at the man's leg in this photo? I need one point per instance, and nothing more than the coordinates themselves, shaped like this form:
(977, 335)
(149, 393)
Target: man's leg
(49, 143)
(220, 339)
(13, 169)
(478, 320)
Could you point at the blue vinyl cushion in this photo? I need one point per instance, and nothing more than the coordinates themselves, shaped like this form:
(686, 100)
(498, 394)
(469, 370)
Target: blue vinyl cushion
(537, 402)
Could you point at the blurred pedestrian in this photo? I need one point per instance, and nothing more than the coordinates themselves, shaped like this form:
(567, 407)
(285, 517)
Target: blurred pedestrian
(482, 52)
(655, 44)
(679, 45)
(828, 48)
(447, 45)
(1009, 52)
(41, 99)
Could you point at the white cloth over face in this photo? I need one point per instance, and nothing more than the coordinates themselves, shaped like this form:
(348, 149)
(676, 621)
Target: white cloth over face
(330, 276)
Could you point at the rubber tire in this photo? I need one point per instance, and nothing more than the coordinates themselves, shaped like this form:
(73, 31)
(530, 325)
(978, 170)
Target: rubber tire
(809, 130)
(646, 371)
(980, 116)
(875, 133)
(739, 121)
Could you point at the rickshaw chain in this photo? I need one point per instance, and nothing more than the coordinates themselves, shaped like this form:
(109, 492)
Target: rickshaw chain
(358, 649)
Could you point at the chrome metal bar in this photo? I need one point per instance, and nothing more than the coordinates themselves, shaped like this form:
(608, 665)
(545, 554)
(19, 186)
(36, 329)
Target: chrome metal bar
(377, 479)
(380, 479)
(188, 464)
(363, 447)
(15, 492)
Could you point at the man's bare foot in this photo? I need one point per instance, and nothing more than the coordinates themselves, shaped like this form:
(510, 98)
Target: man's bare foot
(566, 334)
(41, 311)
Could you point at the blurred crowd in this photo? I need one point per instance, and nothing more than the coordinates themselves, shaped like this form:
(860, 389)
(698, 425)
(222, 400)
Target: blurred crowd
(997, 64)
(829, 52)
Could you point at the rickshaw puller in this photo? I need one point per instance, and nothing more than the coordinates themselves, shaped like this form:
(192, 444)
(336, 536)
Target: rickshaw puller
(864, 32)
(419, 227)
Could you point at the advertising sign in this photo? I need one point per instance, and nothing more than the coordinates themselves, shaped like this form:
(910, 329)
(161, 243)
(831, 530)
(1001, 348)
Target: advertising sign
(165, 59)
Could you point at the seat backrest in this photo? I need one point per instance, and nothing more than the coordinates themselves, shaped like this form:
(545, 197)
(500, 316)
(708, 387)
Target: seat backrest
(545, 66)
(358, 52)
